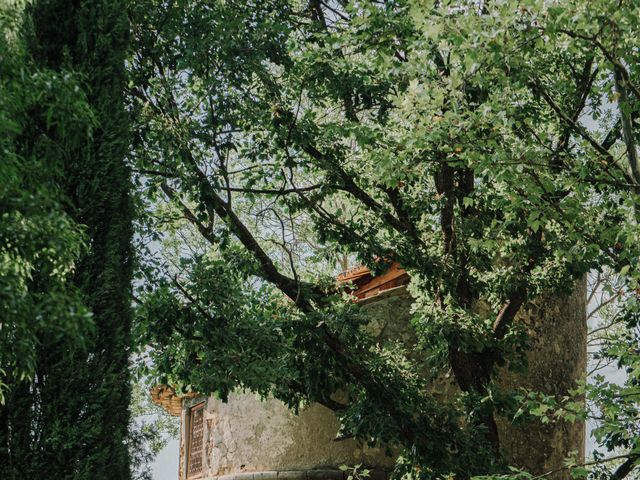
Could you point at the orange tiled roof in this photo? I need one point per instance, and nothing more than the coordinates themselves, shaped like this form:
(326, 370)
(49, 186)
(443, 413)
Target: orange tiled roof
(166, 397)
(367, 285)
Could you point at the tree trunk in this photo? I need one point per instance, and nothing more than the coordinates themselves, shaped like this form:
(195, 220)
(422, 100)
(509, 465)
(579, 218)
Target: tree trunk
(556, 360)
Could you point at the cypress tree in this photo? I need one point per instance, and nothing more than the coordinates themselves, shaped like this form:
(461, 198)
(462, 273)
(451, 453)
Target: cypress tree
(71, 420)
(93, 37)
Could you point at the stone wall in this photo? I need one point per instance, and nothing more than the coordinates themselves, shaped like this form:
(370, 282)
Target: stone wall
(247, 437)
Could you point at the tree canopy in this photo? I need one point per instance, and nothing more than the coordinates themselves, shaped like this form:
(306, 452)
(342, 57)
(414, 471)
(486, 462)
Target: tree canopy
(488, 147)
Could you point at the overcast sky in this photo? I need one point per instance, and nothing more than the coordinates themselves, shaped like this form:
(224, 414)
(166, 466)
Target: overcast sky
(166, 465)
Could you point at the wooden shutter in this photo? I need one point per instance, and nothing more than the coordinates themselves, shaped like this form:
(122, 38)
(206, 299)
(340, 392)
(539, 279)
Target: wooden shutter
(196, 441)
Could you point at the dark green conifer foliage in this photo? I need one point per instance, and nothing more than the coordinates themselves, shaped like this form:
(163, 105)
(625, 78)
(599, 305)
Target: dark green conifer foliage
(71, 421)
(93, 37)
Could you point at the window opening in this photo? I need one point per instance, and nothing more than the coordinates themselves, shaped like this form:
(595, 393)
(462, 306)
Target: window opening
(196, 443)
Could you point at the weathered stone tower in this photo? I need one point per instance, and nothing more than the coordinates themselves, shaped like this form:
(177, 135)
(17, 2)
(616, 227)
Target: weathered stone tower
(249, 439)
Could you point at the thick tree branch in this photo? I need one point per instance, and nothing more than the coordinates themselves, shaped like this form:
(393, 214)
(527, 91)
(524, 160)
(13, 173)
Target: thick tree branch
(583, 88)
(189, 215)
(626, 122)
(625, 469)
(508, 312)
(581, 131)
(393, 194)
(287, 285)
(472, 370)
(593, 39)
(350, 186)
(612, 136)
(271, 191)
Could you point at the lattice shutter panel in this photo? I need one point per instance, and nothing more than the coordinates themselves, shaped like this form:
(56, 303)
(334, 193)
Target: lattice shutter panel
(196, 436)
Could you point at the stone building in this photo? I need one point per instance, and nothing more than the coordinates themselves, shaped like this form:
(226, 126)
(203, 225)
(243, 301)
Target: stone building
(250, 439)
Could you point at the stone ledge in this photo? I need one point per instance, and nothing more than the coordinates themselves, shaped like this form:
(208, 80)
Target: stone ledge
(298, 475)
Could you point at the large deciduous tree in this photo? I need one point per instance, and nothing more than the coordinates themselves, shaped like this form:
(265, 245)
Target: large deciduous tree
(488, 147)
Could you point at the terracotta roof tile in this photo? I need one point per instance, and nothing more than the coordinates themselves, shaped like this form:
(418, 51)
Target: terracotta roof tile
(367, 285)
